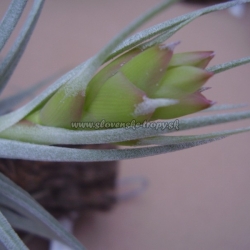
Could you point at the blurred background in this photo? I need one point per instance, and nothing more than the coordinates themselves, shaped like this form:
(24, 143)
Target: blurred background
(197, 198)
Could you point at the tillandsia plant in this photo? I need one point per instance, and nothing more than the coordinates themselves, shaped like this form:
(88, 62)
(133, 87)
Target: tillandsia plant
(143, 80)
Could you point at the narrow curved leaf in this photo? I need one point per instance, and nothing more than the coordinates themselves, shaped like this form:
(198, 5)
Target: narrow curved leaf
(167, 34)
(21, 202)
(10, 20)
(11, 60)
(228, 65)
(20, 222)
(162, 27)
(198, 122)
(168, 140)
(9, 239)
(225, 107)
(50, 135)
(27, 151)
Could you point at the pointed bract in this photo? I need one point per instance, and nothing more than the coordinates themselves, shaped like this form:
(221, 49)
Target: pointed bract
(108, 71)
(61, 109)
(180, 81)
(115, 102)
(146, 69)
(198, 59)
(188, 105)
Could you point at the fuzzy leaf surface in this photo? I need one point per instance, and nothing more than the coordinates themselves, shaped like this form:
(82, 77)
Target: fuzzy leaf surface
(10, 20)
(9, 239)
(10, 62)
(21, 202)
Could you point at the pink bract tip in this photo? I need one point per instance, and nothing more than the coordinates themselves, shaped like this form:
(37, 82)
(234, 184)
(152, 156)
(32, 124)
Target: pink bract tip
(170, 46)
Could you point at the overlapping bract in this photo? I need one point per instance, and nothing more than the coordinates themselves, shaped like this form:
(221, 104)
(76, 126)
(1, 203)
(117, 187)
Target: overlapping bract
(139, 85)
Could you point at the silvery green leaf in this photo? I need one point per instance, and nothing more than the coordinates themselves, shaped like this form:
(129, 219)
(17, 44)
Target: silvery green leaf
(163, 27)
(167, 140)
(229, 65)
(201, 121)
(50, 135)
(225, 107)
(13, 197)
(28, 151)
(11, 60)
(21, 222)
(167, 34)
(9, 239)
(10, 20)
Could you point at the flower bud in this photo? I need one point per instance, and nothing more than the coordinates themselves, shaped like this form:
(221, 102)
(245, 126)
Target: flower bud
(137, 86)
